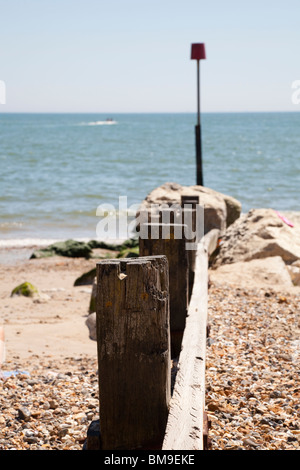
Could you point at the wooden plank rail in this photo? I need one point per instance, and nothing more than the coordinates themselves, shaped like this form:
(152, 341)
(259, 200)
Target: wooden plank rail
(185, 426)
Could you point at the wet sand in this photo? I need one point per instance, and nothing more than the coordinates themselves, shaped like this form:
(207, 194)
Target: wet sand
(52, 323)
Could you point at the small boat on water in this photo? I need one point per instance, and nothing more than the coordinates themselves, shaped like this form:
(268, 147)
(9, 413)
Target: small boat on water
(107, 121)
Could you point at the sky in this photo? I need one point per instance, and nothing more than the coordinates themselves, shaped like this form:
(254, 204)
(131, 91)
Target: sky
(129, 56)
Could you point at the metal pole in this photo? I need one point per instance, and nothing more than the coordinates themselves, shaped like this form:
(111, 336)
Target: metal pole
(198, 133)
(198, 90)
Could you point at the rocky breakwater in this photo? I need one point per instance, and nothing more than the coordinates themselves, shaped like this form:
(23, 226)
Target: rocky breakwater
(220, 210)
(261, 247)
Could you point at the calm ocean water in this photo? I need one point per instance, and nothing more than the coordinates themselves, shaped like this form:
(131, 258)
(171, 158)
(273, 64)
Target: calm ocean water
(56, 169)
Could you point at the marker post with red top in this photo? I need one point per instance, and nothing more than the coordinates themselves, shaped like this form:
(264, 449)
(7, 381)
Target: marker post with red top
(198, 53)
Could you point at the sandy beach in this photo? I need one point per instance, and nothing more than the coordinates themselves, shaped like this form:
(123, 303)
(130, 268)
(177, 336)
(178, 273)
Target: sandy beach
(54, 322)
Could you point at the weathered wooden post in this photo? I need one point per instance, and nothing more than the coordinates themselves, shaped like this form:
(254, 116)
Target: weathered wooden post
(133, 351)
(190, 210)
(168, 239)
(189, 199)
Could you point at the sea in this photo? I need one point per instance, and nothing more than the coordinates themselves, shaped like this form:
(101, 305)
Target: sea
(57, 170)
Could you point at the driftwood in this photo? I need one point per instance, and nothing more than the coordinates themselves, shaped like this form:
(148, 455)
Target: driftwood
(185, 427)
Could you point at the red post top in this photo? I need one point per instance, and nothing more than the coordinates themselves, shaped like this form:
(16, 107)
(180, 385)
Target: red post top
(198, 51)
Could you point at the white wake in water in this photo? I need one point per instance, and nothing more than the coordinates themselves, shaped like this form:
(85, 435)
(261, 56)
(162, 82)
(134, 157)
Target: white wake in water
(99, 123)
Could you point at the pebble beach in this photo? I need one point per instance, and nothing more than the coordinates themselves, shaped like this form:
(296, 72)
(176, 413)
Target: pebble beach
(50, 405)
(252, 368)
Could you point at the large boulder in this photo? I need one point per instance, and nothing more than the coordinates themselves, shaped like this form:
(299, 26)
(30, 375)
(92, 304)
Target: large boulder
(261, 233)
(267, 272)
(220, 210)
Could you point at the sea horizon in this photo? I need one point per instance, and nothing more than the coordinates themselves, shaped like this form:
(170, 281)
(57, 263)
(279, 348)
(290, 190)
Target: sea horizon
(151, 112)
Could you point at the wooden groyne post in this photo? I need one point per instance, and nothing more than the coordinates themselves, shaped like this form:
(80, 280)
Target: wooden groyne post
(174, 230)
(133, 342)
(168, 240)
(192, 217)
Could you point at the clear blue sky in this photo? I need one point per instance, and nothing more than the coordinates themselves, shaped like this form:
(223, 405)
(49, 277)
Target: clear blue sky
(134, 56)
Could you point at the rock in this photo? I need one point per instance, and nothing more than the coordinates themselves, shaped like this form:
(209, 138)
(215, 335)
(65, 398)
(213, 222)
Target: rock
(266, 272)
(91, 324)
(219, 210)
(62, 430)
(294, 271)
(212, 406)
(259, 234)
(129, 253)
(127, 249)
(92, 306)
(93, 244)
(292, 439)
(81, 417)
(234, 209)
(296, 264)
(42, 299)
(31, 439)
(26, 289)
(130, 243)
(78, 249)
(24, 414)
(86, 279)
(68, 248)
(249, 442)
